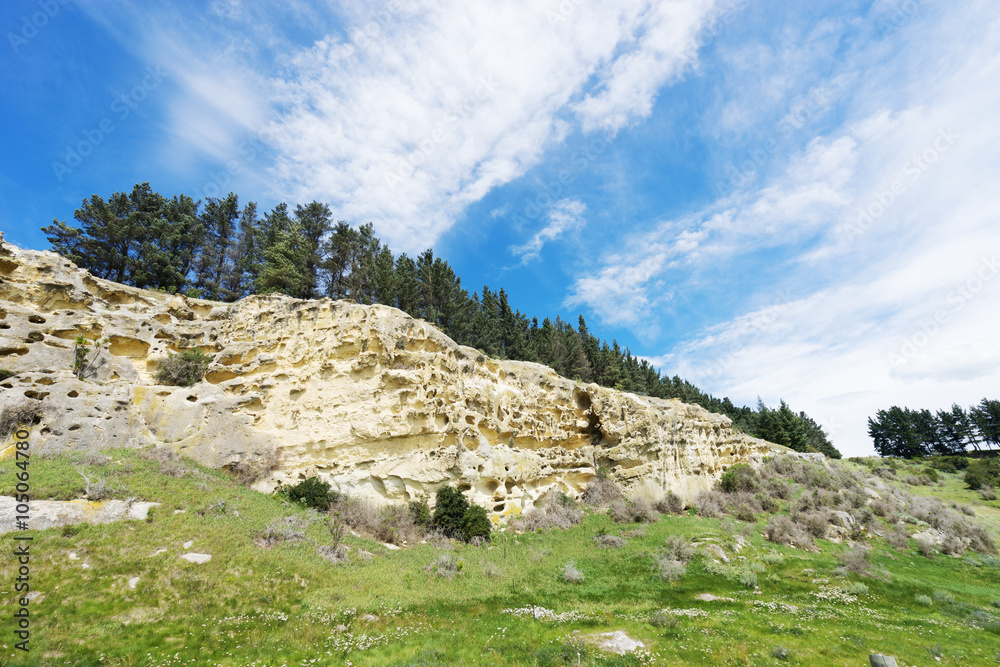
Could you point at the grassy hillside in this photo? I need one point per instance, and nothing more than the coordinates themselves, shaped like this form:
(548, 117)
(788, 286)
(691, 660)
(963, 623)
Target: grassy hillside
(283, 604)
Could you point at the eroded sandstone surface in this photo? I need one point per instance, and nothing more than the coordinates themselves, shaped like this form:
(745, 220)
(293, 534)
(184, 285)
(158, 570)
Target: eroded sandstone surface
(365, 396)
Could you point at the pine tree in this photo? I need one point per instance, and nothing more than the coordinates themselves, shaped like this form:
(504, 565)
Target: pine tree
(315, 221)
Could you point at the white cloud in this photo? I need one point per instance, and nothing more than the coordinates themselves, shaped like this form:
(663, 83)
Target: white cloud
(565, 214)
(877, 225)
(411, 125)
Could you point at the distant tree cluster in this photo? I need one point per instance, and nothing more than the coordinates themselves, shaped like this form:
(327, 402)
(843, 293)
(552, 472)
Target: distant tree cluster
(224, 252)
(906, 433)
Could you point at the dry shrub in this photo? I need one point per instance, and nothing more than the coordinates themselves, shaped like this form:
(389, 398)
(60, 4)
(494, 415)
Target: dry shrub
(669, 569)
(94, 459)
(601, 491)
(919, 480)
(881, 507)
(173, 469)
(899, 538)
(556, 511)
(953, 546)
(782, 530)
(855, 559)
(619, 512)
(637, 510)
(393, 524)
(815, 523)
(965, 509)
(247, 472)
(885, 473)
(609, 541)
(332, 554)
(14, 416)
(925, 546)
(289, 529)
(777, 489)
(445, 565)
(679, 549)
(987, 492)
(491, 571)
(710, 503)
(157, 454)
(670, 504)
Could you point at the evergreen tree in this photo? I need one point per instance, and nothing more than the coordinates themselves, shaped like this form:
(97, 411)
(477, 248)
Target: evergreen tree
(284, 253)
(314, 220)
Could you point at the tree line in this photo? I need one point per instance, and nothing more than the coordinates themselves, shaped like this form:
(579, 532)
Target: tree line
(907, 433)
(222, 251)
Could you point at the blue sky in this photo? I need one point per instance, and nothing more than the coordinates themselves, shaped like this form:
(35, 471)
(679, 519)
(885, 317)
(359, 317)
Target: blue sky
(785, 200)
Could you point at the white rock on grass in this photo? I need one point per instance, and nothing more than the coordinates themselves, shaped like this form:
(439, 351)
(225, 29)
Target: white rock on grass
(188, 544)
(132, 582)
(197, 558)
(716, 551)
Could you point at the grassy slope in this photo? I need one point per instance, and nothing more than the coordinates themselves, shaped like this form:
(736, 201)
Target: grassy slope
(283, 606)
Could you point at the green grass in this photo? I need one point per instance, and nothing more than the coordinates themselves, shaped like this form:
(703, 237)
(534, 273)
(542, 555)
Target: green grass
(287, 606)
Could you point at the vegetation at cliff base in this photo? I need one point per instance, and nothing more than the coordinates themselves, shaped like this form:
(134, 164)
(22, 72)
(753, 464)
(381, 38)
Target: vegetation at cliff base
(218, 249)
(286, 585)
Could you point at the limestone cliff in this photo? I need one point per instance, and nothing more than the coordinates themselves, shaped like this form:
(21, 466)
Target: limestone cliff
(367, 397)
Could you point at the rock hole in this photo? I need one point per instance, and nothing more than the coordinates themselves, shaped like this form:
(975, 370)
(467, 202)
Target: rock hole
(499, 508)
(73, 394)
(36, 319)
(4, 326)
(74, 427)
(583, 401)
(193, 399)
(35, 337)
(163, 393)
(469, 419)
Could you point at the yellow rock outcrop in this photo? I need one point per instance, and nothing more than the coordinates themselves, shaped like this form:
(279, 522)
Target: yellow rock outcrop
(367, 397)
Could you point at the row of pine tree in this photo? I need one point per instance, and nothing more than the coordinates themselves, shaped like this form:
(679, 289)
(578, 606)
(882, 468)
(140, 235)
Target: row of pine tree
(224, 252)
(907, 433)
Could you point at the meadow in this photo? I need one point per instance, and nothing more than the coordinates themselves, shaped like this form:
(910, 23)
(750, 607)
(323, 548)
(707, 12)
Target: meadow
(263, 599)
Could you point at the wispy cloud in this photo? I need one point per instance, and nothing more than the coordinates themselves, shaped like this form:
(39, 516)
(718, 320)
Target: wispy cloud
(564, 215)
(876, 225)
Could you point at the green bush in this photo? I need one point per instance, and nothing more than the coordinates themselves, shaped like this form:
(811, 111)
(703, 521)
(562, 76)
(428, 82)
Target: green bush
(449, 511)
(949, 463)
(476, 523)
(983, 472)
(454, 516)
(740, 477)
(420, 512)
(312, 492)
(184, 369)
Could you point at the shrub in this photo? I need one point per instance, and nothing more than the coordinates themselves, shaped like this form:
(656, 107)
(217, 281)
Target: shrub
(449, 511)
(556, 511)
(782, 530)
(710, 503)
(815, 523)
(924, 600)
(619, 512)
(663, 619)
(601, 491)
(670, 504)
(855, 559)
(739, 477)
(949, 463)
(925, 546)
(983, 472)
(332, 554)
(782, 653)
(248, 471)
(184, 369)
(571, 574)
(289, 529)
(899, 538)
(14, 416)
(669, 569)
(311, 492)
(609, 541)
(679, 549)
(476, 524)
(445, 565)
(987, 492)
(420, 512)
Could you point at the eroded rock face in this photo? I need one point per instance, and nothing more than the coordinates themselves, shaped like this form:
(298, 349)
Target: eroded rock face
(378, 403)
